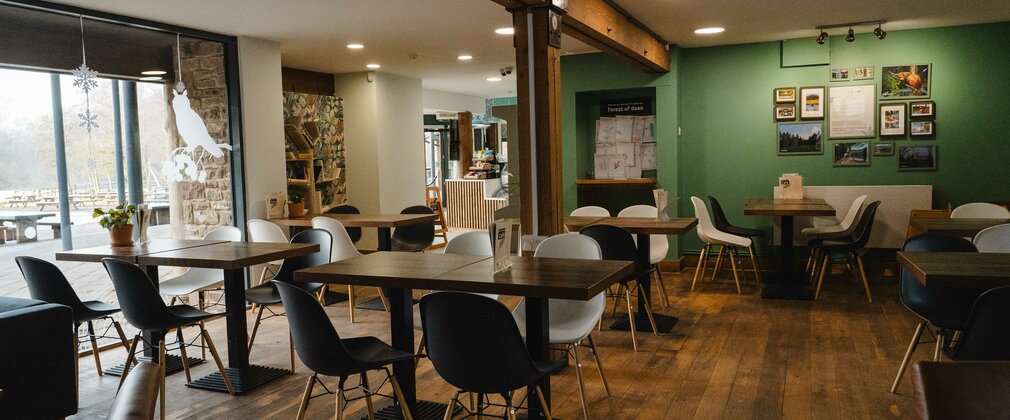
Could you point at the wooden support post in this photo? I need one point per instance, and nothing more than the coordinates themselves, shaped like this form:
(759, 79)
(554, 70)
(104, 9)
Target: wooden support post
(465, 132)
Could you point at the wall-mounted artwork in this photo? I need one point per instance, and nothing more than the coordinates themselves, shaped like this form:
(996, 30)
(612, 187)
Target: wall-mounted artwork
(840, 74)
(785, 95)
(852, 154)
(862, 73)
(883, 149)
(921, 128)
(853, 114)
(785, 112)
(923, 109)
(892, 119)
(904, 82)
(802, 138)
(812, 102)
(917, 158)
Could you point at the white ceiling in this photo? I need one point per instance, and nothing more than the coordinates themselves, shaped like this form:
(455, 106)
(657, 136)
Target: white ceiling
(313, 34)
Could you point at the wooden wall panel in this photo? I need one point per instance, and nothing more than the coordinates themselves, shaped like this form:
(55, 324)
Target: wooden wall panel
(466, 206)
(304, 81)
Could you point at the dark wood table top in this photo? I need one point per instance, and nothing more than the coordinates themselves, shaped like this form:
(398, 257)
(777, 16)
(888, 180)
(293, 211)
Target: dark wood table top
(962, 227)
(958, 269)
(227, 255)
(643, 225)
(130, 253)
(360, 220)
(534, 277)
(788, 207)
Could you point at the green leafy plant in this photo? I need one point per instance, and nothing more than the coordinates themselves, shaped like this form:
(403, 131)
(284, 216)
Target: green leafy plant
(296, 196)
(115, 217)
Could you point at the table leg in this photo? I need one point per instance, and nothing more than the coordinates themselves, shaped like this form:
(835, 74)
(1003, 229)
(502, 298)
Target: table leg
(22, 231)
(152, 337)
(385, 239)
(789, 286)
(401, 324)
(664, 323)
(538, 343)
(385, 244)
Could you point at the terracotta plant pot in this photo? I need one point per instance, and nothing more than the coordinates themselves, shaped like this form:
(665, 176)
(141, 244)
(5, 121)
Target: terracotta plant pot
(296, 209)
(121, 236)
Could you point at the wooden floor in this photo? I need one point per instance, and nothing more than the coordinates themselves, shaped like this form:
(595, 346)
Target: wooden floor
(731, 356)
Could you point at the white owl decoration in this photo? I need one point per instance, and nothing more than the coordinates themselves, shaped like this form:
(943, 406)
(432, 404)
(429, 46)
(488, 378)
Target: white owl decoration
(187, 161)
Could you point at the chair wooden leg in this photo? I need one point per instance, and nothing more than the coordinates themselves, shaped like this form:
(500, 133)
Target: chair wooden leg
(399, 397)
(122, 335)
(130, 358)
(631, 319)
(256, 327)
(736, 278)
(203, 305)
(908, 355)
(350, 301)
(291, 352)
(172, 301)
(368, 396)
(161, 367)
(813, 268)
(420, 351)
(718, 262)
(382, 296)
(94, 347)
(599, 363)
(939, 346)
(825, 266)
(451, 407)
(663, 298)
(182, 351)
(862, 273)
(582, 382)
(217, 360)
(543, 402)
(700, 268)
(340, 403)
(304, 404)
(648, 311)
(617, 299)
(754, 263)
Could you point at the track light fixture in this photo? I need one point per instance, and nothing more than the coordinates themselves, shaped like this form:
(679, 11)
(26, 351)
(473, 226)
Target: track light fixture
(850, 35)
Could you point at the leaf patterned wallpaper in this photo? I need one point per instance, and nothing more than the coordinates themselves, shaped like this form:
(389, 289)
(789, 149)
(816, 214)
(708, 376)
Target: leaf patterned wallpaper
(325, 114)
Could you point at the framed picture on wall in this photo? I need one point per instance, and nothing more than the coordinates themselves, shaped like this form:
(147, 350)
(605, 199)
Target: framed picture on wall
(921, 128)
(923, 109)
(852, 112)
(917, 158)
(905, 82)
(840, 74)
(785, 95)
(852, 154)
(862, 73)
(803, 138)
(883, 149)
(892, 119)
(785, 112)
(812, 103)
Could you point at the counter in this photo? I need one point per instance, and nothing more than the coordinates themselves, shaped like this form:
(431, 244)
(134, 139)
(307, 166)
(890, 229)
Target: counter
(471, 203)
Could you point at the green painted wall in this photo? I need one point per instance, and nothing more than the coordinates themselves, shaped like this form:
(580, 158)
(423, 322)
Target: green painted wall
(724, 106)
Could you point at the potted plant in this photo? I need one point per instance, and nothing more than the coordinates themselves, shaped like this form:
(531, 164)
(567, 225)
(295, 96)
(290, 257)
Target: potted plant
(296, 203)
(118, 221)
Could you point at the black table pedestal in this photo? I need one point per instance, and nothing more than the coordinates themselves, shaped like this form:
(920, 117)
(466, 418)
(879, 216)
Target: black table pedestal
(786, 284)
(243, 379)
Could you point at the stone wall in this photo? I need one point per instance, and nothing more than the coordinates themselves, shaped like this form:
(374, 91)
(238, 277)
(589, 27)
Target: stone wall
(198, 208)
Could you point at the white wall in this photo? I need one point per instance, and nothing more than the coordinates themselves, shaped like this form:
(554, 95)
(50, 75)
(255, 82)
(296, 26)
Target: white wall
(437, 100)
(262, 121)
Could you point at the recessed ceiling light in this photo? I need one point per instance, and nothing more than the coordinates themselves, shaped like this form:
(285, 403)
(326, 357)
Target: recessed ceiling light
(465, 57)
(153, 72)
(709, 31)
(372, 66)
(494, 79)
(151, 78)
(505, 31)
(355, 46)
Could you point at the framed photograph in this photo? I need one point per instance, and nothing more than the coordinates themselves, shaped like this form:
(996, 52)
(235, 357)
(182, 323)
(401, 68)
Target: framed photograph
(853, 112)
(923, 109)
(917, 158)
(904, 82)
(852, 154)
(785, 95)
(862, 73)
(883, 149)
(785, 112)
(803, 138)
(921, 128)
(892, 119)
(812, 103)
(840, 74)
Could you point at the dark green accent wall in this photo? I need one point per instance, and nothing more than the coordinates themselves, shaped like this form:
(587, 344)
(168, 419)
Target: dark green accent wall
(724, 106)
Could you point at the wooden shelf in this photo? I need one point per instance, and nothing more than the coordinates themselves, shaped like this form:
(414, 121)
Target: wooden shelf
(326, 181)
(299, 182)
(629, 181)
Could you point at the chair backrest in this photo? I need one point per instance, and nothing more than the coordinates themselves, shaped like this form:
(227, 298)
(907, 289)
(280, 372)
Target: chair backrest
(591, 211)
(657, 243)
(718, 215)
(355, 232)
(705, 224)
(477, 242)
(263, 231)
(985, 337)
(616, 243)
(474, 343)
(309, 236)
(225, 233)
(318, 344)
(993, 239)
(854, 211)
(861, 233)
(47, 283)
(981, 211)
(138, 299)
(573, 246)
(343, 246)
(925, 301)
(417, 236)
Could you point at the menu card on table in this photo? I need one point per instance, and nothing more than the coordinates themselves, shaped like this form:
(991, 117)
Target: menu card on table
(501, 244)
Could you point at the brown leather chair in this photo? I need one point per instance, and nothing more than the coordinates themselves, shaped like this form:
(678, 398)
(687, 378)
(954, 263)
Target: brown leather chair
(962, 390)
(138, 397)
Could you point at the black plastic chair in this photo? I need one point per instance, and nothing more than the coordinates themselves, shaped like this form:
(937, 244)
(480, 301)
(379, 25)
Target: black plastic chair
(416, 237)
(323, 351)
(722, 223)
(945, 309)
(985, 337)
(143, 308)
(474, 344)
(851, 247)
(353, 232)
(266, 294)
(47, 283)
(617, 244)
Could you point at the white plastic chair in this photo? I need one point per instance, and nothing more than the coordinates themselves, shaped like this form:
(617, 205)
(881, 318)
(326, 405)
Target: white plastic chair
(711, 237)
(659, 246)
(993, 239)
(980, 211)
(571, 321)
(342, 249)
(839, 230)
(592, 211)
(476, 242)
(263, 231)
